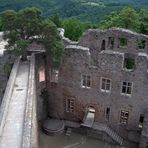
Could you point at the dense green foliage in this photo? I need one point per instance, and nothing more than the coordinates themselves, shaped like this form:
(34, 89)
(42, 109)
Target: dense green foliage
(26, 26)
(127, 18)
(85, 10)
(74, 28)
(75, 16)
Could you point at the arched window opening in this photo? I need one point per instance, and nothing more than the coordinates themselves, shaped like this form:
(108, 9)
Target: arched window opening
(103, 45)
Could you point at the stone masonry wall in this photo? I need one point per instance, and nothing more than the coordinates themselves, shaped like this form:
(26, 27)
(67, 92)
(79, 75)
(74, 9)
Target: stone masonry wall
(88, 57)
(6, 61)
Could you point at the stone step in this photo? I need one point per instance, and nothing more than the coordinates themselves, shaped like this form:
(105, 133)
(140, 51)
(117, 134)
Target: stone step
(68, 132)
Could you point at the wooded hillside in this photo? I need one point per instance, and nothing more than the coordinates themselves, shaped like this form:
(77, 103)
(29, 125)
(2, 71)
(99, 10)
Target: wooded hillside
(85, 10)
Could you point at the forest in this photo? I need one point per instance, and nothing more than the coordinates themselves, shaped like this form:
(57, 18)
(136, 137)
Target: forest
(85, 10)
(76, 16)
(26, 24)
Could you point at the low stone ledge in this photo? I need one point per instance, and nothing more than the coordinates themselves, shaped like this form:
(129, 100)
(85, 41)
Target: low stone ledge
(30, 135)
(7, 95)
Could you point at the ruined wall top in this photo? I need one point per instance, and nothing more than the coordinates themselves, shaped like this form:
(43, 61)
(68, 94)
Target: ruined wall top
(116, 31)
(116, 39)
(128, 50)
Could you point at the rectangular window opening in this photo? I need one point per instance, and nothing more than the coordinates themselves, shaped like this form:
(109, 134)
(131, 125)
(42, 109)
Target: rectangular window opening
(54, 76)
(129, 63)
(141, 44)
(124, 117)
(122, 42)
(107, 114)
(105, 84)
(86, 81)
(127, 88)
(111, 42)
(69, 106)
(141, 120)
(41, 74)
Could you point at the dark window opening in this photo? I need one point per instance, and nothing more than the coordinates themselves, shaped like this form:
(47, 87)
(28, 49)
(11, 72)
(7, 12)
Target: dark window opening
(129, 63)
(69, 105)
(141, 119)
(127, 88)
(111, 42)
(141, 44)
(122, 42)
(103, 45)
(107, 113)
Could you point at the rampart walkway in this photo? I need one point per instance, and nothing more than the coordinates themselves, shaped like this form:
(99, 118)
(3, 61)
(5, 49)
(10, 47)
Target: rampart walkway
(18, 110)
(13, 128)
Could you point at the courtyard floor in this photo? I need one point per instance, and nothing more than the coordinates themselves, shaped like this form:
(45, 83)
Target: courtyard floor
(75, 140)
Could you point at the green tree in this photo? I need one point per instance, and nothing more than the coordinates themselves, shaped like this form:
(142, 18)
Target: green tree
(144, 21)
(74, 28)
(20, 28)
(50, 38)
(111, 20)
(127, 18)
(27, 25)
(0, 25)
(57, 20)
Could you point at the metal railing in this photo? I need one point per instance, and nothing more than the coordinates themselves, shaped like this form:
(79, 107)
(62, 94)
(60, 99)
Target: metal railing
(108, 131)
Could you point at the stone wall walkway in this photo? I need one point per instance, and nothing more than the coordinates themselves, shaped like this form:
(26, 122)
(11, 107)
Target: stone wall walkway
(13, 125)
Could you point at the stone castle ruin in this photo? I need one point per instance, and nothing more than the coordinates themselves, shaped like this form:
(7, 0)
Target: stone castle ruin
(103, 79)
(101, 88)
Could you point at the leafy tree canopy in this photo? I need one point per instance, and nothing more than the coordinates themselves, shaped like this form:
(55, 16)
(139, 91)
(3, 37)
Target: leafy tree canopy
(143, 21)
(127, 18)
(74, 28)
(57, 20)
(27, 25)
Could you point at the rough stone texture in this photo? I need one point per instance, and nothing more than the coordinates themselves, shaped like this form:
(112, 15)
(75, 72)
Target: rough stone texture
(7, 95)
(12, 125)
(144, 134)
(5, 59)
(68, 41)
(106, 63)
(18, 112)
(30, 128)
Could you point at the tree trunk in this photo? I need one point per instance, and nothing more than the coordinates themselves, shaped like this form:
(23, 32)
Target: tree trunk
(48, 65)
(24, 55)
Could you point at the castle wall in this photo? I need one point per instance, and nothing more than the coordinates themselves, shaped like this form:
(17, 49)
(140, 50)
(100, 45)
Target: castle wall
(90, 59)
(6, 62)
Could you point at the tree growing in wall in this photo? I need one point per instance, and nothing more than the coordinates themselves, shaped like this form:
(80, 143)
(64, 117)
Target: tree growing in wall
(26, 26)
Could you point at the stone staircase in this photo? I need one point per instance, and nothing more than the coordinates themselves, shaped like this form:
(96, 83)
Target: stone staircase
(108, 131)
(68, 132)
